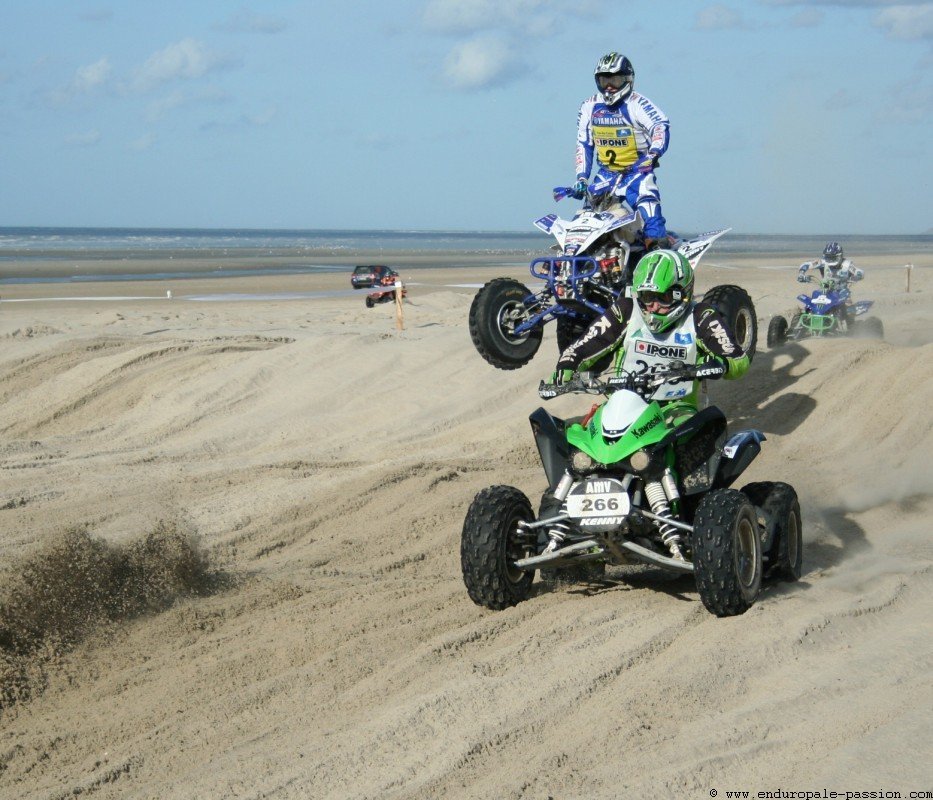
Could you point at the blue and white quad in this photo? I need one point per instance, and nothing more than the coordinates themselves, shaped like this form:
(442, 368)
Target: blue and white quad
(827, 311)
(596, 254)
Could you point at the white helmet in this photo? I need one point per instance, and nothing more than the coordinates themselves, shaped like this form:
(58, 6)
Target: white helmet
(615, 77)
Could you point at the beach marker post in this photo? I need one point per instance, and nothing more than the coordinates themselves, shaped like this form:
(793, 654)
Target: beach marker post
(910, 269)
(399, 318)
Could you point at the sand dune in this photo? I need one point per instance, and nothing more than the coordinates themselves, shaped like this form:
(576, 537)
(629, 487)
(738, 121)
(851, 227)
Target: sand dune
(324, 462)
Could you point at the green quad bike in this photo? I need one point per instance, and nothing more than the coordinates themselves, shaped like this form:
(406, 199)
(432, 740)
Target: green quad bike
(627, 485)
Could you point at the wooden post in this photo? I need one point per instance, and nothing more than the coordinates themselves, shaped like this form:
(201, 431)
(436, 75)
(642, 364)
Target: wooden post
(910, 269)
(399, 318)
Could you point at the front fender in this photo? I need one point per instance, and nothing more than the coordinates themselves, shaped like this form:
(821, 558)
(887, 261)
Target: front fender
(551, 438)
(738, 452)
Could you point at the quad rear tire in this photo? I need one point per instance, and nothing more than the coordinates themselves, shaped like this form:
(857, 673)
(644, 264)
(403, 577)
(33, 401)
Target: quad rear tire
(369, 301)
(734, 303)
(779, 503)
(569, 329)
(490, 542)
(495, 312)
(777, 331)
(727, 552)
(868, 328)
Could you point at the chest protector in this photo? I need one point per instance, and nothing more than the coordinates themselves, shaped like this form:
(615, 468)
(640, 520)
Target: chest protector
(613, 140)
(646, 351)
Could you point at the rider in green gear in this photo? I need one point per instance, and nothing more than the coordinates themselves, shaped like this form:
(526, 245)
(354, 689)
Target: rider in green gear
(659, 326)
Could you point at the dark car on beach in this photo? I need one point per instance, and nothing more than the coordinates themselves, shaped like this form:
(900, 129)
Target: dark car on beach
(367, 276)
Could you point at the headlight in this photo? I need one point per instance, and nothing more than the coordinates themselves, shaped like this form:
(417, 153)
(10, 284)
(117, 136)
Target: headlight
(639, 460)
(581, 461)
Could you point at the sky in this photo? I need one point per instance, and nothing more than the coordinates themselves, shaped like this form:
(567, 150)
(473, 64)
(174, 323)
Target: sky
(787, 116)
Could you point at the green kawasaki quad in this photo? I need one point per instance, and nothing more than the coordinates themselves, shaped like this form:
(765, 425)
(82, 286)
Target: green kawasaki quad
(627, 485)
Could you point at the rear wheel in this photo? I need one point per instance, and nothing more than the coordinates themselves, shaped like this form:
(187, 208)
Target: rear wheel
(777, 331)
(869, 328)
(734, 303)
(781, 509)
(727, 552)
(491, 541)
(369, 301)
(497, 309)
(569, 329)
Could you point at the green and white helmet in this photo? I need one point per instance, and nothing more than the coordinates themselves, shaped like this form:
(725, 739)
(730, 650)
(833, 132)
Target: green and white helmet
(615, 77)
(663, 282)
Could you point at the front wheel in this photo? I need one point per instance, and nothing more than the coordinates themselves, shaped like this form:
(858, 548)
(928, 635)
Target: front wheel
(777, 331)
(735, 304)
(727, 557)
(491, 542)
(497, 310)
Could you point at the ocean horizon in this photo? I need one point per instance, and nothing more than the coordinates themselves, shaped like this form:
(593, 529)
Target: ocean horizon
(23, 246)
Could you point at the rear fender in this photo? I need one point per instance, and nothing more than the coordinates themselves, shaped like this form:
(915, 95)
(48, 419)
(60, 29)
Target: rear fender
(737, 453)
(693, 249)
(861, 307)
(551, 438)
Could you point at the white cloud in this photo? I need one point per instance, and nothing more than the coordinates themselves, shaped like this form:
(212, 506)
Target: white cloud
(86, 139)
(911, 102)
(86, 79)
(185, 60)
(163, 105)
(848, 3)
(720, 17)
(479, 62)
(247, 22)
(144, 142)
(91, 76)
(533, 17)
(906, 21)
(808, 18)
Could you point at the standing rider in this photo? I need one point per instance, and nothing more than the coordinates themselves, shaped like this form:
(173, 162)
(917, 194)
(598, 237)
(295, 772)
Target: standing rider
(660, 326)
(833, 265)
(628, 134)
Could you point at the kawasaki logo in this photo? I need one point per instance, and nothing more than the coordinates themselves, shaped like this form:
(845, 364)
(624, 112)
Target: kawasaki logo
(643, 429)
(663, 350)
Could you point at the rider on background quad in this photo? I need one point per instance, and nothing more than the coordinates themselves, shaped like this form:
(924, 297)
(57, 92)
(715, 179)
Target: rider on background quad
(833, 265)
(657, 327)
(627, 134)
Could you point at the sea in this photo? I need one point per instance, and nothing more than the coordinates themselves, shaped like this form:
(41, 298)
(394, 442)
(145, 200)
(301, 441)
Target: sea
(21, 245)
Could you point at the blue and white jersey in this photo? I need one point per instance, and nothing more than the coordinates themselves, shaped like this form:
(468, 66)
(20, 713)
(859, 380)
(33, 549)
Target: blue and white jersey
(619, 135)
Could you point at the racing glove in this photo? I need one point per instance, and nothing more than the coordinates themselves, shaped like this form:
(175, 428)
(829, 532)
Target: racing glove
(710, 370)
(561, 376)
(647, 162)
(579, 188)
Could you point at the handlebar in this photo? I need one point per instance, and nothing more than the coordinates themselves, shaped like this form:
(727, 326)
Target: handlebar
(642, 384)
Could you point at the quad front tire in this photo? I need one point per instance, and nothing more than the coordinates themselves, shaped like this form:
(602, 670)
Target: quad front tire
(734, 303)
(497, 309)
(491, 542)
(727, 557)
(777, 331)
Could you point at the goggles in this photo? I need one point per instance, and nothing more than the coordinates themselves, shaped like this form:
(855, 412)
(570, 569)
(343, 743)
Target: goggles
(663, 299)
(611, 80)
